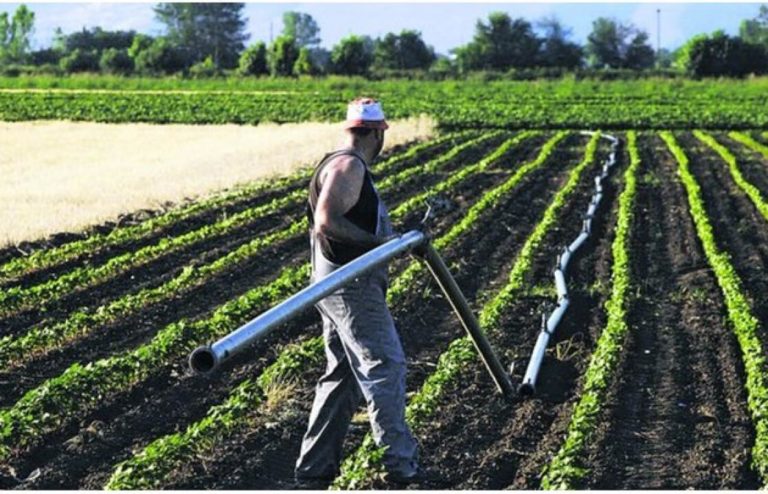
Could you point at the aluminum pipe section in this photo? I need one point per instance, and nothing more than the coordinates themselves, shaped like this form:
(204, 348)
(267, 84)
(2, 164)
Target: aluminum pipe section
(549, 326)
(460, 306)
(207, 358)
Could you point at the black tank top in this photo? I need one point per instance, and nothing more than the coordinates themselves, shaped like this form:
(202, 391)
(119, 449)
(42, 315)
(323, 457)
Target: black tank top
(364, 214)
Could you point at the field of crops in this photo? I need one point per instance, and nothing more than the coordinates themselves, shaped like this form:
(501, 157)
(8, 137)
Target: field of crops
(657, 377)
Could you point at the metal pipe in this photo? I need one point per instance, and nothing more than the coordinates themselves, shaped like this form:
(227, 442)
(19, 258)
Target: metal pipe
(562, 290)
(578, 242)
(460, 306)
(528, 386)
(564, 259)
(206, 358)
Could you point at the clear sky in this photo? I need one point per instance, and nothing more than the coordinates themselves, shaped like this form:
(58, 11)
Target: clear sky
(443, 25)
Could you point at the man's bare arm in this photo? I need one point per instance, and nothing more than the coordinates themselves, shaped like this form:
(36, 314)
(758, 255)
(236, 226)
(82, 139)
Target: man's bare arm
(341, 188)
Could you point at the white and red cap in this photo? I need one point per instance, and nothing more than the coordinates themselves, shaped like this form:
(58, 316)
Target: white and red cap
(367, 113)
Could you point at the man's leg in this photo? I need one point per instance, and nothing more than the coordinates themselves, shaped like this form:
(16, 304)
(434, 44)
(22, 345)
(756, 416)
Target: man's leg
(378, 363)
(337, 396)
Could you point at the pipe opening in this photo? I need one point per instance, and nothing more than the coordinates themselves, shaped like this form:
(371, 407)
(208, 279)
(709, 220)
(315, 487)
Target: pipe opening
(526, 389)
(202, 360)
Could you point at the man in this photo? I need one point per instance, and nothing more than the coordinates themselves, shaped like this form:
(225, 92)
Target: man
(365, 358)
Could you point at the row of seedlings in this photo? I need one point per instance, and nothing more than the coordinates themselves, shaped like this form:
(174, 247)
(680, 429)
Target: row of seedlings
(550, 325)
(80, 389)
(15, 351)
(51, 257)
(564, 470)
(365, 463)
(740, 315)
(752, 192)
(17, 298)
(751, 143)
(149, 467)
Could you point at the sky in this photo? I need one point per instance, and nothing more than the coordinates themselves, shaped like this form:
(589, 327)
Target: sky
(443, 25)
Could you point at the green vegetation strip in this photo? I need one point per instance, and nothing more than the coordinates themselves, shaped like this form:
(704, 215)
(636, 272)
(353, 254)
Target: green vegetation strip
(563, 470)
(47, 258)
(17, 298)
(752, 192)
(749, 142)
(745, 324)
(17, 350)
(81, 388)
(365, 462)
(148, 469)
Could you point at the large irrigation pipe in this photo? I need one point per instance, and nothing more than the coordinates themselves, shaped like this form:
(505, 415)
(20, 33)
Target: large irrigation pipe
(549, 326)
(207, 358)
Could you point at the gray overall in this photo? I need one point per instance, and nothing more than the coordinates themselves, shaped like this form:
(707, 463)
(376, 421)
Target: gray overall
(365, 359)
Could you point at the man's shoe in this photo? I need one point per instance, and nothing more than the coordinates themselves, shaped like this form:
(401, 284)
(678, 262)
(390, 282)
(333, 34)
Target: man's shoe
(312, 483)
(421, 476)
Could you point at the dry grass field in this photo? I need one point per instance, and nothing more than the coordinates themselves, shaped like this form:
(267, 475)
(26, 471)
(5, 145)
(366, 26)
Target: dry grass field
(64, 176)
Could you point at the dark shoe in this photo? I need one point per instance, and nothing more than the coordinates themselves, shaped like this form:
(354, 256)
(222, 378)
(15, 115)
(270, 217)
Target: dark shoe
(312, 483)
(421, 477)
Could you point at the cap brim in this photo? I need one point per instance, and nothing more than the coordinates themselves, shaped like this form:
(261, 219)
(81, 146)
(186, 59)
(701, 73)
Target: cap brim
(366, 124)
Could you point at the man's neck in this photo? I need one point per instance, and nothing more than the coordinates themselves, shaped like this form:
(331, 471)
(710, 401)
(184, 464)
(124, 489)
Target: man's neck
(362, 150)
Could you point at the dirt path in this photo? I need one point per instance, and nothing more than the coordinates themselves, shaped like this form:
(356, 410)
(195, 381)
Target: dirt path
(64, 176)
(677, 416)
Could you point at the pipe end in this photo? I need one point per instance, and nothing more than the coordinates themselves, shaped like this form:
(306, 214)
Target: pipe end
(526, 390)
(202, 360)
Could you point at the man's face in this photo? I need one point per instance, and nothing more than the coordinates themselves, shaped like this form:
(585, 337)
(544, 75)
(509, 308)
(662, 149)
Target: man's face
(379, 137)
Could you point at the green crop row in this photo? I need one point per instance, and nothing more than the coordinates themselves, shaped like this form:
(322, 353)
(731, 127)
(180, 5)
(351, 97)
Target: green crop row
(564, 470)
(752, 192)
(465, 172)
(359, 468)
(148, 468)
(488, 200)
(47, 258)
(745, 325)
(464, 104)
(14, 351)
(80, 388)
(16, 298)
(749, 142)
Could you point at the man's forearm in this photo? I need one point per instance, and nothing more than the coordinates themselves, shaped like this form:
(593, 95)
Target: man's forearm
(341, 229)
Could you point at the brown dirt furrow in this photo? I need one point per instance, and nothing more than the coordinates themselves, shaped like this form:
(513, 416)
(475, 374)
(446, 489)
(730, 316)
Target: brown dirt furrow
(510, 440)
(753, 165)
(740, 229)
(676, 417)
(174, 399)
(265, 460)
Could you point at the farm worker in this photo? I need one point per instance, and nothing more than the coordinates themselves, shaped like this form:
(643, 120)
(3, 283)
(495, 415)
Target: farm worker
(365, 358)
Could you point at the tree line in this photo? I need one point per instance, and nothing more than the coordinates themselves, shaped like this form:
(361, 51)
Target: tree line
(209, 39)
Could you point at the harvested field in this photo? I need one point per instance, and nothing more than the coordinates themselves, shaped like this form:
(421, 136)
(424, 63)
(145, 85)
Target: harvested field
(64, 176)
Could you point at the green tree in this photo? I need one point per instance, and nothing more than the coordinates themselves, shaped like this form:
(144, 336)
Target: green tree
(501, 44)
(161, 57)
(114, 61)
(282, 56)
(253, 61)
(96, 39)
(556, 49)
(304, 65)
(139, 43)
(16, 35)
(404, 51)
(639, 54)
(352, 56)
(80, 61)
(302, 28)
(721, 55)
(215, 30)
(612, 44)
(756, 30)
